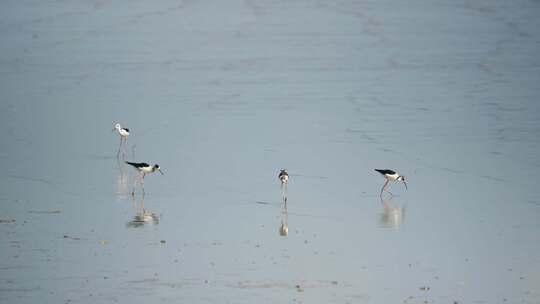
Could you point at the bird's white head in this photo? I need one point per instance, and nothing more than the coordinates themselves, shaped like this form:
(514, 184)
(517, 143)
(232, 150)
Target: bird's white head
(402, 178)
(117, 126)
(157, 168)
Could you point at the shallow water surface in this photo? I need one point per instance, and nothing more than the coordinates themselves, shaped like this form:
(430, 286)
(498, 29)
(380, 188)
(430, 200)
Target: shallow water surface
(222, 96)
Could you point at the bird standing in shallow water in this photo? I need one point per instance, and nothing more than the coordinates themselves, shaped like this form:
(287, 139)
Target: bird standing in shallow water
(124, 133)
(390, 175)
(143, 169)
(284, 178)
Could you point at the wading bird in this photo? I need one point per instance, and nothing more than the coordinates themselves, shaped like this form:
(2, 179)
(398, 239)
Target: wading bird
(143, 169)
(390, 176)
(284, 178)
(123, 132)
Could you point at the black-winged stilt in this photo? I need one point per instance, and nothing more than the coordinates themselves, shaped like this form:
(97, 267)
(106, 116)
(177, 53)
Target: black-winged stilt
(123, 132)
(143, 169)
(283, 177)
(390, 176)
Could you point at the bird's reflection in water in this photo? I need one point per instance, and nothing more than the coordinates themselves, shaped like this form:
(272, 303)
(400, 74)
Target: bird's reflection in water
(142, 217)
(393, 215)
(284, 227)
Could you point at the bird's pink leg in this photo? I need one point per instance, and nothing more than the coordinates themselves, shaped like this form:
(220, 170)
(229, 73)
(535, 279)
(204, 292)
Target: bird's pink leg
(142, 204)
(142, 182)
(134, 186)
(384, 187)
(124, 146)
(119, 147)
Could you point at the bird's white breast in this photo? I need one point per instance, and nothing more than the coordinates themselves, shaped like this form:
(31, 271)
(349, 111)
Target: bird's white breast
(146, 169)
(123, 132)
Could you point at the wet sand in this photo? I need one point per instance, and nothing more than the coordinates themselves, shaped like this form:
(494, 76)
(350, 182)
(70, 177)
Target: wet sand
(222, 96)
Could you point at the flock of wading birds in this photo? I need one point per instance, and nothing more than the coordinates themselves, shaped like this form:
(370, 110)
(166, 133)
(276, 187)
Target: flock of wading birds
(145, 168)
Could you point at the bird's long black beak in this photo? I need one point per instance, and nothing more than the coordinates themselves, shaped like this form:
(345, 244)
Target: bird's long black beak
(161, 172)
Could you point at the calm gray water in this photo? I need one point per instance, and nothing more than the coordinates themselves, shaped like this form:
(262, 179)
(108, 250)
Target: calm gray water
(223, 94)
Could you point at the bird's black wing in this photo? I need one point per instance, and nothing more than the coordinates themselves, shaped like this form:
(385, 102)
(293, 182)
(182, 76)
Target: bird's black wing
(138, 165)
(385, 171)
(127, 130)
